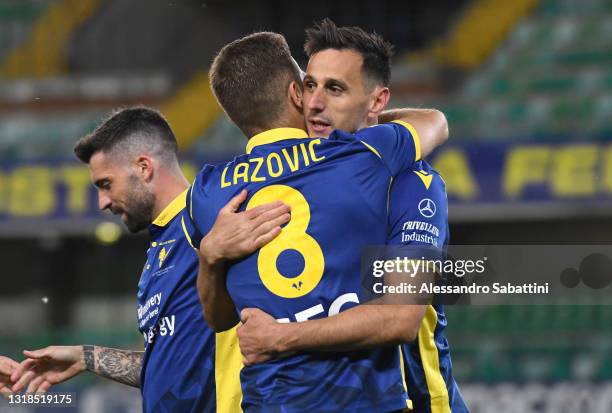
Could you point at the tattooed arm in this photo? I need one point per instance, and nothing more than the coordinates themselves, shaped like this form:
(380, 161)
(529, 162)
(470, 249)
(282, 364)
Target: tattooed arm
(55, 364)
(120, 365)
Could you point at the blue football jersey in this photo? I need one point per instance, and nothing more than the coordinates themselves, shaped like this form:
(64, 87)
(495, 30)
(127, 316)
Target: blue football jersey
(338, 191)
(418, 216)
(179, 364)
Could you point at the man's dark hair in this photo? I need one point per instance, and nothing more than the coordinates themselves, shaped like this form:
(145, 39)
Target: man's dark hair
(375, 51)
(128, 131)
(250, 77)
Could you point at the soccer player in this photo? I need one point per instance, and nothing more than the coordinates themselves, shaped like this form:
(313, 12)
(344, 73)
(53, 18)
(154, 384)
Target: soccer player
(133, 162)
(346, 65)
(337, 190)
(428, 368)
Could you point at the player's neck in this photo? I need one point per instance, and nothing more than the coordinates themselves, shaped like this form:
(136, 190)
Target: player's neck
(169, 186)
(291, 118)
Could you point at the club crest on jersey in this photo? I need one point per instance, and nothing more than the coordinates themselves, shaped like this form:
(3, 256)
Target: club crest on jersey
(163, 254)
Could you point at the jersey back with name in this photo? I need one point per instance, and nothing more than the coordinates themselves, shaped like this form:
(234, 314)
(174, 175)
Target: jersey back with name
(337, 189)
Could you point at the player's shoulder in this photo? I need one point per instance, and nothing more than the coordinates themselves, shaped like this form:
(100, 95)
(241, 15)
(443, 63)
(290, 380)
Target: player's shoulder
(423, 178)
(338, 135)
(210, 169)
(187, 230)
(370, 131)
(203, 173)
(208, 172)
(418, 196)
(383, 129)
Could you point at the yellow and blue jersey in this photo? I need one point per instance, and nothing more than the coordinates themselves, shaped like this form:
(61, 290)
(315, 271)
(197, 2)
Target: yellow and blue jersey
(180, 364)
(418, 216)
(338, 190)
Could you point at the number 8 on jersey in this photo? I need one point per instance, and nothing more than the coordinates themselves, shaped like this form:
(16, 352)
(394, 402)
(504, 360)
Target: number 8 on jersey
(292, 237)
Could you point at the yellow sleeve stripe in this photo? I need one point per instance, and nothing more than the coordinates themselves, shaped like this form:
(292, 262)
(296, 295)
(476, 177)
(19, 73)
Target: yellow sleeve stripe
(401, 354)
(438, 393)
(415, 137)
(228, 363)
(187, 234)
(370, 147)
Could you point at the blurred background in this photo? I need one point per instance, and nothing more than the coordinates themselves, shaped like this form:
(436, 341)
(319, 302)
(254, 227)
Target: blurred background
(526, 86)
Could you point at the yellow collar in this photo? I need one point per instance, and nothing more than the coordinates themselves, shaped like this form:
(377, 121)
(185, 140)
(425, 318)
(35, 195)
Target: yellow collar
(171, 210)
(274, 135)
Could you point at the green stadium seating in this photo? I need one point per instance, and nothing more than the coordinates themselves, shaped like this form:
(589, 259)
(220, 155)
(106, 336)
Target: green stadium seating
(518, 343)
(40, 137)
(552, 76)
(21, 10)
(16, 17)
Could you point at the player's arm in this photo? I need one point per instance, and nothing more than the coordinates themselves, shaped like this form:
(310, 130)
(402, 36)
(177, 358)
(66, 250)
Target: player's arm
(430, 125)
(218, 306)
(55, 364)
(385, 321)
(234, 235)
(361, 327)
(366, 325)
(7, 366)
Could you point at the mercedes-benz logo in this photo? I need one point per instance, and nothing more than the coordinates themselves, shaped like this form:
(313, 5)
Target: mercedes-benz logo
(427, 208)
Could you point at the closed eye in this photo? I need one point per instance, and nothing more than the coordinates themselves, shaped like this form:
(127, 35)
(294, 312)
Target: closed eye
(103, 184)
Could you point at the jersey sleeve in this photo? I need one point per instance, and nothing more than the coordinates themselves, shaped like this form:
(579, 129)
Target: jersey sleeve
(196, 220)
(418, 210)
(397, 144)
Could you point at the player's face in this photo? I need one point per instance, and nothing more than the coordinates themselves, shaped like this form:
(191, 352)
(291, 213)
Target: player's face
(121, 191)
(335, 94)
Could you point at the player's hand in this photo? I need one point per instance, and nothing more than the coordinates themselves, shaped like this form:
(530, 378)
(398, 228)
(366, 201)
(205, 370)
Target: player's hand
(259, 336)
(235, 235)
(7, 366)
(48, 366)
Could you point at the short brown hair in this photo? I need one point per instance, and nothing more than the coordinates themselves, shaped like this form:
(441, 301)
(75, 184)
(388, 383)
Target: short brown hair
(375, 51)
(128, 130)
(250, 77)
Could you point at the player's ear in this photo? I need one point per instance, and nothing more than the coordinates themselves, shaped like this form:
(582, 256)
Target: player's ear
(380, 98)
(144, 167)
(295, 93)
